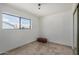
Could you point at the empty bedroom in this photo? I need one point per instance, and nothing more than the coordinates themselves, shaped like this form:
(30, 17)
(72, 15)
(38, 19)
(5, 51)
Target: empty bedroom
(38, 29)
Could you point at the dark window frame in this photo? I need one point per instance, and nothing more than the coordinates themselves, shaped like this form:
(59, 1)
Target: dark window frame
(20, 18)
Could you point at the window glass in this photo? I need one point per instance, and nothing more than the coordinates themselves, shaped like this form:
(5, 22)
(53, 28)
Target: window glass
(10, 22)
(15, 22)
(25, 23)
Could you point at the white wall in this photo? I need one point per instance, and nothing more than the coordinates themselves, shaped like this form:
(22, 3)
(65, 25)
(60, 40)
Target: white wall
(58, 28)
(10, 39)
(74, 6)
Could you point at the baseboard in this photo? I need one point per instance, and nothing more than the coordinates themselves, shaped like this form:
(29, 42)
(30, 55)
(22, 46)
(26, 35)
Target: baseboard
(18, 47)
(61, 44)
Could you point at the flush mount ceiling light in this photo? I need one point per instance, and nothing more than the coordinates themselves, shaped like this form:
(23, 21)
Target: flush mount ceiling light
(39, 6)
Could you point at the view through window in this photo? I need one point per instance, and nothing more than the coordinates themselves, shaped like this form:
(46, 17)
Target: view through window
(15, 22)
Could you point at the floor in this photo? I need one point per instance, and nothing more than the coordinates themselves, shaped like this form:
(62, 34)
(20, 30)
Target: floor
(37, 48)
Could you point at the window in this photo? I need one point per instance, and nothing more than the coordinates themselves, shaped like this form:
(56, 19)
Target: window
(15, 22)
(25, 23)
(10, 22)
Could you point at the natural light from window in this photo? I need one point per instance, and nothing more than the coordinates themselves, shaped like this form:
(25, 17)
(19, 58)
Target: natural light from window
(14, 22)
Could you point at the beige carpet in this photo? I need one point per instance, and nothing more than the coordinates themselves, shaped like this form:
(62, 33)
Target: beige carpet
(36, 48)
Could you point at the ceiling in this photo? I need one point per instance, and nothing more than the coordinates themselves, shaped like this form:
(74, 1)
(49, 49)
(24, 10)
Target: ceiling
(45, 8)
